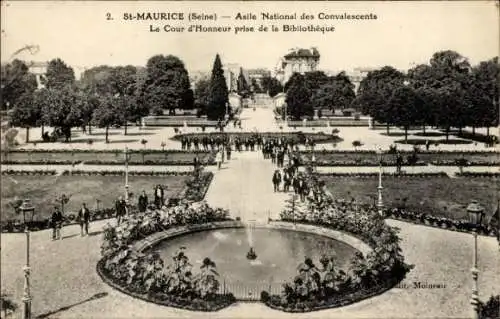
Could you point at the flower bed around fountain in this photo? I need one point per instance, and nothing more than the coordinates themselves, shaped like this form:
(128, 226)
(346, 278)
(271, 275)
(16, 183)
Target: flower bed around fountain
(316, 288)
(131, 264)
(143, 275)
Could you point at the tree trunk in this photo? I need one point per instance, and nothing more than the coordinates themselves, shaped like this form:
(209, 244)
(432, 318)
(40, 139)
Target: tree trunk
(487, 131)
(460, 131)
(387, 128)
(473, 131)
(27, 135)
(125, 133)
(447, 133)
(43, 129)
(406, 133)
(423, 128)
(107, 128)
(90, 129)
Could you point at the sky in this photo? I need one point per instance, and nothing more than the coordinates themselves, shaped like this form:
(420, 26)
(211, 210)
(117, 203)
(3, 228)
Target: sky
(404, 33)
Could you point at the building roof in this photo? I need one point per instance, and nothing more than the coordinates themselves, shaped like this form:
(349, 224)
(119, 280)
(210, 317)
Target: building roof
(303, 53)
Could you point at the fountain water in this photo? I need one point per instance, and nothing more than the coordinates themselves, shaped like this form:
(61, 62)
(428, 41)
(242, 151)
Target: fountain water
(251, 255)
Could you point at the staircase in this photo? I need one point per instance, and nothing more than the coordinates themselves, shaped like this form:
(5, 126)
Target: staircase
(262, 100)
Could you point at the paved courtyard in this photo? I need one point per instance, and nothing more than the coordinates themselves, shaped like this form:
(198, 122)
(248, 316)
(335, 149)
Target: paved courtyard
(259, 120)
(66, 285)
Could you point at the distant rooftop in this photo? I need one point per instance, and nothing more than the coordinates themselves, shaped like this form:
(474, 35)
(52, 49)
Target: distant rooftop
(303, 53)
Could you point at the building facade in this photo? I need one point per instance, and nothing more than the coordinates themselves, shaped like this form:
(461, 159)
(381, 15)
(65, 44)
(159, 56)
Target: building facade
(39, 69)
(297, 61)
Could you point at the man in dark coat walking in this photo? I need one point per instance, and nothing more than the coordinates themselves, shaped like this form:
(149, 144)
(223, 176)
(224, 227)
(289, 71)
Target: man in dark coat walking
(56, 220)
(302, 188)
(84, 219)
(143, 202)
(121, 209)
(276, 180)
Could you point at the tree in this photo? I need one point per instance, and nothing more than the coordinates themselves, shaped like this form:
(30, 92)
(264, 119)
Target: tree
(97, 80)
(26, 113)
(483, 93)
(337, 91)
(315, 79)
(15, 81)
(271, 85)
(374, 92)
(403, 106)
(298, 99)
(202, 93)
(242, 85)
(218, 94)
(166, 85)
(450, 77)
(293, 79)
(59, 75)
(109, 112)
(256, 88)
(62, 108)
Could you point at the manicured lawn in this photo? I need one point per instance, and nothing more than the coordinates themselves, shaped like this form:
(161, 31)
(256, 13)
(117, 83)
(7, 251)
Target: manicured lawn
(440, 196)
(112, 157)
(332, 158)
(417, 141)
(43, 190)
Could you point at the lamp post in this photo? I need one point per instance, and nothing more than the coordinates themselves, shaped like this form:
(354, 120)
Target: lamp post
(126, 174)
(285, 106)
(476, 214)
(313, 159)
(380, 203)
(27, 207)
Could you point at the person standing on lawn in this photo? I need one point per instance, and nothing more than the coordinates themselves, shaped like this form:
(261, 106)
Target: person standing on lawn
(121, 209)
(84, 219)
(143, 202)
(56, 220)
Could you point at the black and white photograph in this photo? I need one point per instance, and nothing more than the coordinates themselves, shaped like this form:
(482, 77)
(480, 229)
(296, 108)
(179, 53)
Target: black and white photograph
(250, 159)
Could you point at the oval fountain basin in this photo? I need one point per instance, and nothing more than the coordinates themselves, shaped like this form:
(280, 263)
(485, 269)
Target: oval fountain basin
(279, 252)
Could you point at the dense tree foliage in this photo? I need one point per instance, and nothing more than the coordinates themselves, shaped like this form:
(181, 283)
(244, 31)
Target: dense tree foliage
(202, 93)
(110, 112)
(59, 75)
(62, 108)
(218, 93)
(298, 99)
(166, 86)
(26, 113)
(334, 92)
(271, 86)
(447, 92)
(375, 91)
(325, 91)
(16, 81)
(242, 85)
